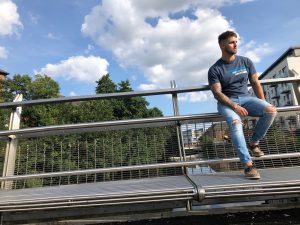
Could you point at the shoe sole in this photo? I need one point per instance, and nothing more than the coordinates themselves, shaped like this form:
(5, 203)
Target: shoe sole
(258, 155)
(253, 178)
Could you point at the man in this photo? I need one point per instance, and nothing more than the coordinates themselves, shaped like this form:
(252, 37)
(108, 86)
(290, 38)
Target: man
(228, 80)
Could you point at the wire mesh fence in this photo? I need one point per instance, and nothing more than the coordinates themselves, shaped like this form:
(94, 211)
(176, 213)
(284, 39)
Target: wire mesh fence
(86, 151)
(200, 139)
(211, 140)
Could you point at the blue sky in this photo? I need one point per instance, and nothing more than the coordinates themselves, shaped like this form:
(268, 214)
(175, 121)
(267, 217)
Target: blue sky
(147, 42)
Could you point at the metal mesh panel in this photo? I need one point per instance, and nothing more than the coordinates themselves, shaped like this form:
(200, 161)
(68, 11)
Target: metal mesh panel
(143, 146)
(107, 149)
(211, 140)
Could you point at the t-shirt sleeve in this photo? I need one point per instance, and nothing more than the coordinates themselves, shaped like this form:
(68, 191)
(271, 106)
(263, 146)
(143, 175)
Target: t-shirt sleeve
(251, 67)
(213, 76)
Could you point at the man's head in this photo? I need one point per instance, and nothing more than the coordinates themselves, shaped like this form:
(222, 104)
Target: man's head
(225, 35)
(228, 42)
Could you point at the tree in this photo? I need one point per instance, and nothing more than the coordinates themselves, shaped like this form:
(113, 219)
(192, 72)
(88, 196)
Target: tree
(86, 150)
(43, 87)
(38, 87)
(17, 85)
(127, 107)
(105, 85)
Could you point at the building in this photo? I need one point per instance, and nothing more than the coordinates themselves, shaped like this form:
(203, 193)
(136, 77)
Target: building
(287, 65)
(3, 74)
(191, 136)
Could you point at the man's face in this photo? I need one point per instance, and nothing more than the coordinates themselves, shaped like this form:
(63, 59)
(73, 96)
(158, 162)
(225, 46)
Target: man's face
(229, 46)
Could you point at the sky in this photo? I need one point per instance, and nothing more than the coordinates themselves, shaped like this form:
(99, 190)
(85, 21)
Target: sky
(148, 42)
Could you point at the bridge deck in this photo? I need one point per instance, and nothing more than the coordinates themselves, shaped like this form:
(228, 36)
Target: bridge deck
(227, 185)
(158, 194)
(222, 185)
(172, 188)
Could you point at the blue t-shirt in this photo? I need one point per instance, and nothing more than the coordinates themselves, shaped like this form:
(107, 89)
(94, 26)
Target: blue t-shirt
(232, 76)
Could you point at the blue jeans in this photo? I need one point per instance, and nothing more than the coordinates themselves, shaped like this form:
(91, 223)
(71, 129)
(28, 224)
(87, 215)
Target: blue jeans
(256, 108)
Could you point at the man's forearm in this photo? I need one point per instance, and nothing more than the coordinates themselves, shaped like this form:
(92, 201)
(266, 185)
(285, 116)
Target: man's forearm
(257, 88)
(258, 91)
(224, 100)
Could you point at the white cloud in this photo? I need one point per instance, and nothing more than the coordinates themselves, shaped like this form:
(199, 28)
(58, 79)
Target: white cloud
(179, 48)
(3, 52)
(88, 49)
(175, 49)
(52, 36)
(33, 18)
(147, 87)
(254, 51)
(9, 18)
(79, 68)
(195, 97)
(246, 1)
(72, 93)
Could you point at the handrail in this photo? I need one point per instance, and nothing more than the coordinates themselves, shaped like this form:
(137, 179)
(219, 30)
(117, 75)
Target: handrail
(118, 124)
(132, 94)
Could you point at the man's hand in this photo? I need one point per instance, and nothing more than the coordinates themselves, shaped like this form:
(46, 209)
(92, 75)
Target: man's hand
(241, 110)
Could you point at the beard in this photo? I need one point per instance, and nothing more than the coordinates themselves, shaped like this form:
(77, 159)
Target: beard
(230, 51)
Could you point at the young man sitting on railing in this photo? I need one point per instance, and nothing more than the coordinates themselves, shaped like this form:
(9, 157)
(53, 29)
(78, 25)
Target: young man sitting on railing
(228, 80)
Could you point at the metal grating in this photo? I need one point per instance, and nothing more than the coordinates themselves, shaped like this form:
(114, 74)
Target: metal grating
(101, 193)
(207, 140)
(274, 182)
(141, 145)
(107, 149)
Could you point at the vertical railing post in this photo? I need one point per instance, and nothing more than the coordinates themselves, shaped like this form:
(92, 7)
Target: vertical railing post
(11, 146)
(296, 87)
(178, 126)
(179, 134)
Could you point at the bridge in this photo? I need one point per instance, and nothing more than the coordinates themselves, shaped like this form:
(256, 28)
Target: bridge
(168, 166)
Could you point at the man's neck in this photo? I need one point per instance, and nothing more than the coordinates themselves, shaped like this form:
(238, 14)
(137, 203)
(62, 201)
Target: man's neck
(228, 58)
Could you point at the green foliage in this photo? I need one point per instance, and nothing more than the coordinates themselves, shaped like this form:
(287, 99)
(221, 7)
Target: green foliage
(84, 150)
(206, 140)
(44, 87)
(125, 107)
(105, 85)
(17, 85)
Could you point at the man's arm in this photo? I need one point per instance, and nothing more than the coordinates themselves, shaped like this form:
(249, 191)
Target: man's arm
(218, 94)
(257, 88)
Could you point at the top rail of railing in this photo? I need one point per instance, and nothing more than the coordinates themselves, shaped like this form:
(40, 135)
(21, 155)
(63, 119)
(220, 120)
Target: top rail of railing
(132, 94)
(117, 125)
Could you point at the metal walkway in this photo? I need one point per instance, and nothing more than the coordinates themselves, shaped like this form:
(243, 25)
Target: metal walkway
(279, 182)
(229, 186)
(155, 194)
(148, 190)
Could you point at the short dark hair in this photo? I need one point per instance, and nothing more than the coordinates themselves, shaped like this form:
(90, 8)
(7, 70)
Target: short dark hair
(225, 35)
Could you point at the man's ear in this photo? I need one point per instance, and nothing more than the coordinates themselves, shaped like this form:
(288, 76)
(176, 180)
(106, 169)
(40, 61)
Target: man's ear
(222, 44)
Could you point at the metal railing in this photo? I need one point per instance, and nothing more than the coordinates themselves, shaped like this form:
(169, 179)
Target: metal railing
(140, 148)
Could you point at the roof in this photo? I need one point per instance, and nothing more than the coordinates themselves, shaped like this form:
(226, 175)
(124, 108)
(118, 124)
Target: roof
(3, 72)
(284, 55)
